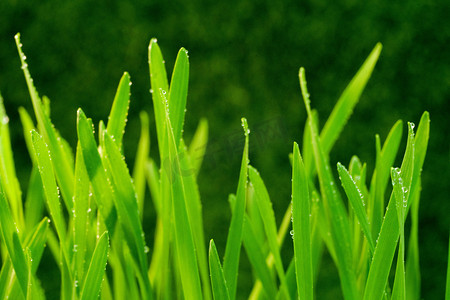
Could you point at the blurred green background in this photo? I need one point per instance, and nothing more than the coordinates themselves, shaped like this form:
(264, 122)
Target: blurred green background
(244, 58)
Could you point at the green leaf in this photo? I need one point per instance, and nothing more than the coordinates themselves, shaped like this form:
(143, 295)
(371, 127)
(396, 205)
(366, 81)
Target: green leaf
(234, 239)
(96, 271)
(340, 228)
(178, 94)
(197, 148)
(349, 98)
(301, 225)
(356, 199)
(219, 287)
(96, 171)
(141, 161)
(118, 116)
(412, 263)
(63, 168)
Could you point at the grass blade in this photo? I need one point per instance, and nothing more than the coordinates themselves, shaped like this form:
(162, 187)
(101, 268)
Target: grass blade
(96, 271)
(234, 239)
(219, 287)
(178, 94)
(141, 161)
(412, 262)
(198, 144)
(118, 116)
(301, 226)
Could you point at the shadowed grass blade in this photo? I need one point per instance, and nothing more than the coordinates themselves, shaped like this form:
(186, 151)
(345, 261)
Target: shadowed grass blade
(301, 225)
(118, 116)
(63, 168)
(412, 261)
(340, 228)
(219, 287)
(198, 144)
(234, 239)
(178, 94)
(96, 271)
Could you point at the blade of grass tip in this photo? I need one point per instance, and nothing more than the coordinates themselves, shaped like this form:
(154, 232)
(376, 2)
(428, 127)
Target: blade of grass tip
(197, 148)
(80, 215)
(118, 116)
(49, 184)
(178, 93)
(158, 80)
(349, 98)
(194, 209)
(234, 239)
(447, 285)
(412, 263)
(140, 162)
(96, 270)
(219, 286)
(356, 199)
(63, 168)
(340, 228)
(96, 171)
(380, 177)
(389, 233)
(127, 209)
(308, 157)
(265, 208)
(301, 214)
(185, 246)
(8, 171)
(10, 236)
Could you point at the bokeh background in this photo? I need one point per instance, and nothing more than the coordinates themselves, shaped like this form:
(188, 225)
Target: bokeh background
(244, 58)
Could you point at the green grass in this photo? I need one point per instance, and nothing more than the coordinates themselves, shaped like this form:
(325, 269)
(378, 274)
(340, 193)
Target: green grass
(96, 206)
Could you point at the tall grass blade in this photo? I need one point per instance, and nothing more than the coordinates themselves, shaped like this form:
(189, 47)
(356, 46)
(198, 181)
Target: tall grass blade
(197, 147)
(301, 213)
(234, 239)
(412, 261)
(219, 287)
(141, 161)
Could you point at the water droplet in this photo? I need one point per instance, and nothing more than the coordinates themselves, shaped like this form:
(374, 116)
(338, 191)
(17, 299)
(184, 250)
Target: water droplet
(5, 120)
(146, 249)
(292, 233)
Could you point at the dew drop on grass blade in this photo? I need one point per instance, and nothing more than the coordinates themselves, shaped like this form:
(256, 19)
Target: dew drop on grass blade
(301, 226)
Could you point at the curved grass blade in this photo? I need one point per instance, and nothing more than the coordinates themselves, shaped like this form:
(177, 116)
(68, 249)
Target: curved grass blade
(234, 239)
(356, 199)
(96, 271)
(63, 168)
(96, 171)
(270, 227)
(390, 230)
(10, 236)
(301, 226)
(141, 161)
(340, 228)
(349, 98)
(178, 94)
(219, 287)
(118, 116)
(198, 144)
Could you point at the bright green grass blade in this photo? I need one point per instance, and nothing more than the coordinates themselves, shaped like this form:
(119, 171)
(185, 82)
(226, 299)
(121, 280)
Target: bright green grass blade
(447, 286)
(49, 184)
(257, 259)
(80, 215)
(307, 150)
(8, 171)
(194, 209)
(158, 81)
(141, 161)
(356, 199)
(96, 171)
(152, 175)
(270, 226)
(198, 144)
(10, 236)
(290, 282)
(340, 229)
(28, 125)
(96, 271)
(301, 225)
(389, 234)
(219, 287)
(127, 210)
(234, 239)
(184, 237)
(412, 261)
(34, 204)
(118, 116)
(349, 98)
(178, 94)
(63, 168)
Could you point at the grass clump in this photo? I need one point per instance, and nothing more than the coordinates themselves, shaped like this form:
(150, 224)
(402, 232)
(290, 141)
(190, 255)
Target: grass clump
(95, 206)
